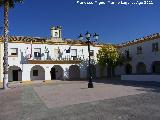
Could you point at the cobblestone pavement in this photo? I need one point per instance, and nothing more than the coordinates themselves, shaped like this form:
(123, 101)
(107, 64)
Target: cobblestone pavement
(28, 102)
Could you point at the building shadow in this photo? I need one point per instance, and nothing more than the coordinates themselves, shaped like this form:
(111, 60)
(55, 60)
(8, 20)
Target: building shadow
(147, 86)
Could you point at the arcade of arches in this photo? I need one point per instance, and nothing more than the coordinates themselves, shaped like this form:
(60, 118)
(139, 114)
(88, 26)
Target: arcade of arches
(37, 72)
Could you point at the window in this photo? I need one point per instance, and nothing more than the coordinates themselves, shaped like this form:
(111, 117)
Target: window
(58, 54)
(14, 51)
(35, 72)
(154, 47)
(37, 52)
(139, 50)
(68, 50)
(56, 51)
(127, 53)
(92, 53)
(74, 54)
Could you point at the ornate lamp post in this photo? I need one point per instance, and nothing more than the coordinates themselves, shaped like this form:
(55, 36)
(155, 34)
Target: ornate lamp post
(88, 37)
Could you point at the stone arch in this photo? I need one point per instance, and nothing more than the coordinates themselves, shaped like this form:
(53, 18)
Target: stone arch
(74, 72)
(14, 73)
(128, 68)
(141, 68)
(93, 71)
(37, 73)
(156, 67)
(57, 72)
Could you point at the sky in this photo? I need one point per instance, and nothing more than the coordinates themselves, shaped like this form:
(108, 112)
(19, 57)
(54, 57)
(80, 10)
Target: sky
(113, 23)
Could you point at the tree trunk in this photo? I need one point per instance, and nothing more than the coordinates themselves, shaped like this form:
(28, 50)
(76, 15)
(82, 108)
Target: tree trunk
(5, 57)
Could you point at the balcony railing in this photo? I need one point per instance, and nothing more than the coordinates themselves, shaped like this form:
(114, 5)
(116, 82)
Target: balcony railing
(58, 60)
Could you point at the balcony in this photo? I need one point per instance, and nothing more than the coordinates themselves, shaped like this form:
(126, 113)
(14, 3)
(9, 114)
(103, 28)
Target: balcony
(71, 60)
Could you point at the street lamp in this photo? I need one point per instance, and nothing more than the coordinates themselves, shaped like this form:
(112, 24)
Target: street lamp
(88, 37)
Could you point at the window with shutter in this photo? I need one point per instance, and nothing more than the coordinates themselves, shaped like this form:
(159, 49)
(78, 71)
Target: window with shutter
(74, 54)
(14, 51)
(154, 47)
(139, 50)
(35, 72)
(37, 52)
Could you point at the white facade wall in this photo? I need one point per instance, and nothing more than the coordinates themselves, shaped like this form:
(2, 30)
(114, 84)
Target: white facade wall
(147, 56)
(24, 49)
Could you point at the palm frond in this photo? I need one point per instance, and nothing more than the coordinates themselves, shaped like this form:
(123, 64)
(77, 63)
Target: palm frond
(19, 1)
(11, 3)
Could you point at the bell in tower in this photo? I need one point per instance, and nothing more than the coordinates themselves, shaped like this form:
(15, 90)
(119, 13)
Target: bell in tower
(56, 32)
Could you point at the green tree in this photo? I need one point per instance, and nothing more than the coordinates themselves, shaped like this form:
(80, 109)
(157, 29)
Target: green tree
(109, 55)
(6, 4)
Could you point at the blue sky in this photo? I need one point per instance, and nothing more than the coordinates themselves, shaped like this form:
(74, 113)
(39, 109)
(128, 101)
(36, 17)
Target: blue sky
(114, 23)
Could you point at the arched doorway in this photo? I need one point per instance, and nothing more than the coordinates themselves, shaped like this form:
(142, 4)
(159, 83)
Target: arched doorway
(53, 73)
(128, 69)
(14, 73)
(93, 71)
(37, 73)
(74, 72)
(141, 68)
(57, 72)
(156, 67)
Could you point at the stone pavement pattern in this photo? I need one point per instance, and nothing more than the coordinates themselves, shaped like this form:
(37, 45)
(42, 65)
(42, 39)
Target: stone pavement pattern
(26, 103)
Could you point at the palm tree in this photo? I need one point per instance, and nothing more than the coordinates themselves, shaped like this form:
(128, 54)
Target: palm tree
(6, 4)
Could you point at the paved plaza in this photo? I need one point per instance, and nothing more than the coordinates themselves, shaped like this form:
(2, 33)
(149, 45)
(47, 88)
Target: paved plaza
(72, 100)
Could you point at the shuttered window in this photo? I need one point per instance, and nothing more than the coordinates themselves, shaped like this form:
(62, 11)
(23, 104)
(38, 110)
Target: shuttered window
(37, 52)
(73, 52)
(35, 72)
(14, 51)
(154, 47)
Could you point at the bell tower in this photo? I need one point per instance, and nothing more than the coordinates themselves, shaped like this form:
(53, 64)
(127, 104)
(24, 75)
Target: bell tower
(56, 32)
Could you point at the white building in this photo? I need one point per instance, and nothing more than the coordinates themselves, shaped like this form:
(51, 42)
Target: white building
(143, 59)
(33, 58)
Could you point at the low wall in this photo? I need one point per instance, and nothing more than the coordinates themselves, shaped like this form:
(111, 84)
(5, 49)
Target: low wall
(141, 77)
